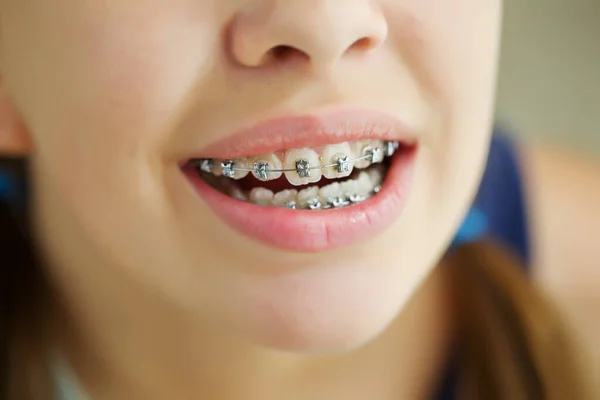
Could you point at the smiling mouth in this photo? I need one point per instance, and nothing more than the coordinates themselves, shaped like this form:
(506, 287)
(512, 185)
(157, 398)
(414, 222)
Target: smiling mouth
(308, 182)
(327, 177)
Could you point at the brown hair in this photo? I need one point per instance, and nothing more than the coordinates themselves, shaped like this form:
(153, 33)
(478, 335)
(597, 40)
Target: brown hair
(512, 342)
(23, 293)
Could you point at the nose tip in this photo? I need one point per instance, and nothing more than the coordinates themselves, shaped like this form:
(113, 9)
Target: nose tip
(318, 32)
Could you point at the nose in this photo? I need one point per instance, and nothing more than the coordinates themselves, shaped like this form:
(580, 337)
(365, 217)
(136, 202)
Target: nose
(319, 32)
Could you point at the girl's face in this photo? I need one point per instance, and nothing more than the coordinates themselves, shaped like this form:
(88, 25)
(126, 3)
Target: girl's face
(118, 95)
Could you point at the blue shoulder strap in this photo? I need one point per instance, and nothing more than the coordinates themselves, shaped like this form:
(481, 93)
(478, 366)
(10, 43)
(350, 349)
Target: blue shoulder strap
(499, 210)
(11, 190)
(6, 186)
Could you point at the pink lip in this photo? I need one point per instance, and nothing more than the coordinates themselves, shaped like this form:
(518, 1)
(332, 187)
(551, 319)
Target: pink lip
(291, 132)
(313, 231)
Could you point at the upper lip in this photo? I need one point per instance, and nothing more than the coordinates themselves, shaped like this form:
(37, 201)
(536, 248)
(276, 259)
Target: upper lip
(308, 130)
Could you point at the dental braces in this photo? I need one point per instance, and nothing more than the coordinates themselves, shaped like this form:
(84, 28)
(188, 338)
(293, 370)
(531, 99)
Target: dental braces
(262, 170)
(334, 202)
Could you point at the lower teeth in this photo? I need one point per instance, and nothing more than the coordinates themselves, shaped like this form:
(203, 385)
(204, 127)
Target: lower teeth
(334, 195)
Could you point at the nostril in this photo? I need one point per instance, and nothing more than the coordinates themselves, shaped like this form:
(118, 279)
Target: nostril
(282, 52)
(363, 44)
(285, 54)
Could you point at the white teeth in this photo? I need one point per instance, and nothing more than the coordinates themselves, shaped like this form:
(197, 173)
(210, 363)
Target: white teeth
(365, 147)
(378, 151)
(330, 192)
(216, 169)
(358, 150)
(337, 154)
(301, 161)
(377, 155)
(305, 196)
(206, 165)
(365, 186)
(335, 194)
(391, 148)
(235, 169)
(349, 187)
(263, 167)
(305, 167)
(376, 175)
(261, 196)
(238, 194)
(286, 198)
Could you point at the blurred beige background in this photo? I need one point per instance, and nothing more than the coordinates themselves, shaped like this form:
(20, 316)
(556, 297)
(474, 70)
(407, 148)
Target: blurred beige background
(550, 71)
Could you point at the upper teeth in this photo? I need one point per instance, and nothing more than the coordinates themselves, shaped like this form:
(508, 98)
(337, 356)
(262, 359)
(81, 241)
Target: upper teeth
(267, 167)
(301, 166)
(206, 165)
(343, 164)
(390, 148)
(304, 166)
(228, 168)
(376, 154)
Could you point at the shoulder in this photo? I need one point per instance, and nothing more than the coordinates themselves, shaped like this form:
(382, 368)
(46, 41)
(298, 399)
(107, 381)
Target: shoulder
(563, 190)
(563, 196)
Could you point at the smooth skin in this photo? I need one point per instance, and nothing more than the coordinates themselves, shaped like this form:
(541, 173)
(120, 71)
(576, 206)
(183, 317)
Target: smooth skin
(161, 299)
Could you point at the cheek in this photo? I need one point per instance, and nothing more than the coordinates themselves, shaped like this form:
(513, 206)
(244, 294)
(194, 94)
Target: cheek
(459, 55)
(106, 99)
(451, 47)
(100, 108)
(115, 73)
(451, 44)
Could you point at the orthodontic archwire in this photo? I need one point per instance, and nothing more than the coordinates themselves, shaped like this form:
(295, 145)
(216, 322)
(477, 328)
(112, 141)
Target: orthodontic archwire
(261, 169)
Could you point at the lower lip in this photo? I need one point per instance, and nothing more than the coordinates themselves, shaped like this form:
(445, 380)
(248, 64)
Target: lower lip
(315, 231)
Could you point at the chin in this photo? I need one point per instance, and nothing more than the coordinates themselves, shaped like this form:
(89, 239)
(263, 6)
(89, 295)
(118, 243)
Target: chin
(320, 312)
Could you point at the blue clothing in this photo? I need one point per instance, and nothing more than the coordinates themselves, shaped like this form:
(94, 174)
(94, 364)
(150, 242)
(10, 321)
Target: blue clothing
(499, 209)
(501, 198)
(498, 212)
(9, 187)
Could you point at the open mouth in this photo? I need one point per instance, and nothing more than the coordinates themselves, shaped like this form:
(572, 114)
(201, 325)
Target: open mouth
(322, 178)
(308, 182)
